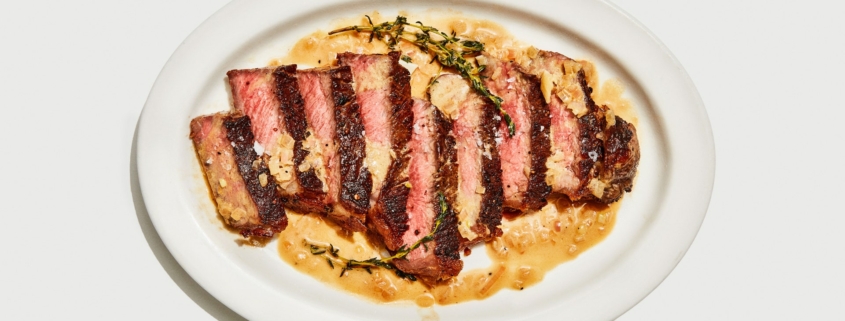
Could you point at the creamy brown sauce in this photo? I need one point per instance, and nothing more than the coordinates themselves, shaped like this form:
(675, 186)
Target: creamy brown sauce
(610, 94)
(532, 245)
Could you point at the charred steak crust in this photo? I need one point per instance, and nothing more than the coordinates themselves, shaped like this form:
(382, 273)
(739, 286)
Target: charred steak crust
(447, 244)
(267, 199)
(608, 153)
(355, 179)
(292, 106)
(447, 239)
(401, 121)
(590, 127)
(621, 157)
(491, 178)
(538, 190)
(216, 155)
(389, 218)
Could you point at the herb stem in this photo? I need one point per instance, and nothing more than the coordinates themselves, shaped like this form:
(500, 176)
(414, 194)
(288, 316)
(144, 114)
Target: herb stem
(450, 52)
(332, 254)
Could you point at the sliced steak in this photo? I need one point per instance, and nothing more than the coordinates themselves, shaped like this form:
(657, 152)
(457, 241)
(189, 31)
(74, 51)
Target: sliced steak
(475, 128)
(580, 133)
(272, 101)
(243, 188)
(336, 141)
(313, 135)
(309, 170)
(383, 91)
(525, 153)
(433, 172)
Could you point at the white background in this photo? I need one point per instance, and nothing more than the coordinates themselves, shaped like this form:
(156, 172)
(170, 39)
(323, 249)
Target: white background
(77, 242)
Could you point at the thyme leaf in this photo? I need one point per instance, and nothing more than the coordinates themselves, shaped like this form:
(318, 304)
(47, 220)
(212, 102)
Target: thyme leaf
(451, 52)
(332, 254)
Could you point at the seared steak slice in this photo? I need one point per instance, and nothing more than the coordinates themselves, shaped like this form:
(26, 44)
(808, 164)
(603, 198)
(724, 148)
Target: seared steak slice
(580, 133)
(432, 170)
(336, 141)
(383, 91)
(356, 182)
(311, 193)
(525, 153)
(243, 188)
(476, 121)
(272, 102)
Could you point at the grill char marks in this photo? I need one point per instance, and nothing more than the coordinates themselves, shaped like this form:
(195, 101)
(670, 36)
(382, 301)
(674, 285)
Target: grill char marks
(432, 170)
(383, 93)
(310, 197)
(524, 154)
(581, 136)
(479, 195)
(243, 188)
(355, 180)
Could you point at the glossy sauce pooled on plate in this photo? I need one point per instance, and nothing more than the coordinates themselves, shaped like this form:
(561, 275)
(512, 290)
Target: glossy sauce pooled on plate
(531, 245)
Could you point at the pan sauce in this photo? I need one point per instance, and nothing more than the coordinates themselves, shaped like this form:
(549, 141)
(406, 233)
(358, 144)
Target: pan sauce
(531, 245)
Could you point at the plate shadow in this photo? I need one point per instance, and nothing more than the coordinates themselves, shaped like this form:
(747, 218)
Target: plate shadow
(185, 282)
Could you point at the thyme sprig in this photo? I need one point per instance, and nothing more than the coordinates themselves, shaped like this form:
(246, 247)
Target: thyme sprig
(332, 254)
(451, 52)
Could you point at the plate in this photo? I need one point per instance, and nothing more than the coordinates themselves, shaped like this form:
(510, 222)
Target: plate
(655, 226)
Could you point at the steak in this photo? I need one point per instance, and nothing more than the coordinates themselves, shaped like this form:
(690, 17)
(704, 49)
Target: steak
(478, 200)
(621, 157)
(525, 153)
(336, 139)
(349, 142)
(311, 129)
(254, 95)
(582, 133)
(270, 97)
(311, 195)
(432, 172)
(243, 188)
(383, 91)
